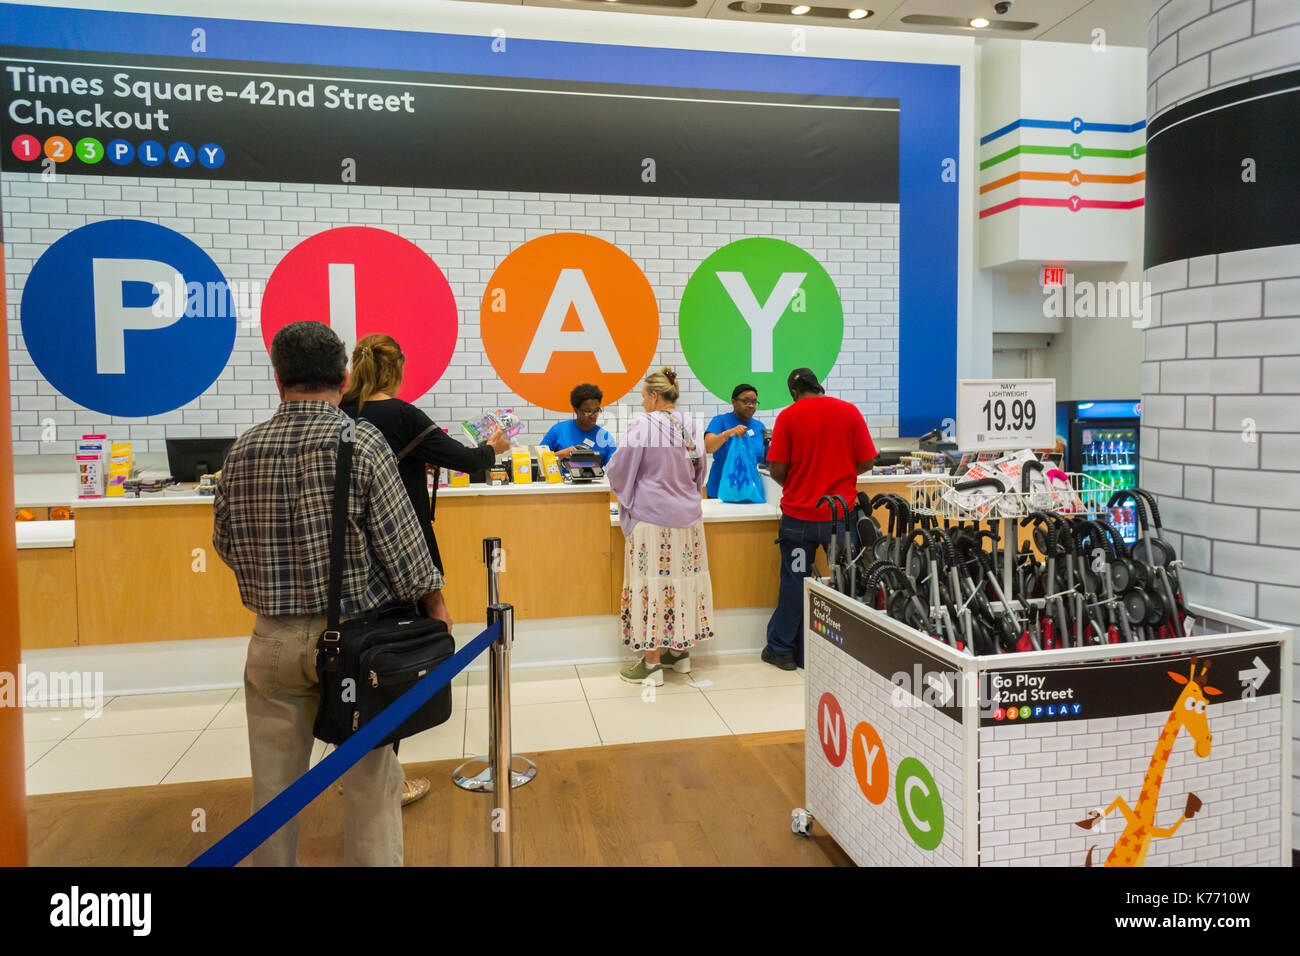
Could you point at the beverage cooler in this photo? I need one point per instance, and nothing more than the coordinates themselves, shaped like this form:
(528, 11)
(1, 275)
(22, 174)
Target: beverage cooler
(1100, 439)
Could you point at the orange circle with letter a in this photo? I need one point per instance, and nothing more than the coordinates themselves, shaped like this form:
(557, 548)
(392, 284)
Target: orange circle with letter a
(870, 765)
(565, 309)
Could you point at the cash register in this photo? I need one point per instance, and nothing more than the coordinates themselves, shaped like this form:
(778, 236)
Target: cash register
(582, 465)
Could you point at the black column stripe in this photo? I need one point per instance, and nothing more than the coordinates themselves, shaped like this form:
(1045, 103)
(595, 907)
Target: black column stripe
(1197, 203)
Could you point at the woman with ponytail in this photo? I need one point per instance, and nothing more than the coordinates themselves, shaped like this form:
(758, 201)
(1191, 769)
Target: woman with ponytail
(658, 475)
(376, 378)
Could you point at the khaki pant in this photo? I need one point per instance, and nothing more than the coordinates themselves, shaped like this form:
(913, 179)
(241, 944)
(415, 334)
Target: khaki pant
(282, 696)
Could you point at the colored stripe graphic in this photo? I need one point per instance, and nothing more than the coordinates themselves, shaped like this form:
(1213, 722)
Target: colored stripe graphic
(1082, 204)
(1072, 125)
(1061, 177)
(1070, 151)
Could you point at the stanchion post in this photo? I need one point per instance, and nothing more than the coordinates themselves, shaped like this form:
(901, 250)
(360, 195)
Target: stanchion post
(492, 558)
(479, 773)
(499, 715)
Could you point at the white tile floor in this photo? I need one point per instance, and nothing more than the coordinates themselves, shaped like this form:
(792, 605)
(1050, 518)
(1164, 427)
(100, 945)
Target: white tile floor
(176, 738)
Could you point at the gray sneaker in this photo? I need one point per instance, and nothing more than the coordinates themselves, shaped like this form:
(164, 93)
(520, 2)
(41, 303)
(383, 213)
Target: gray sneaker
(680, 662)
(642, 673)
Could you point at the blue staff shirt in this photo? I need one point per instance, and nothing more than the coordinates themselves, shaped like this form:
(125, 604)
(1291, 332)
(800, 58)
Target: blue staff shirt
(717, 426)
(564, 435)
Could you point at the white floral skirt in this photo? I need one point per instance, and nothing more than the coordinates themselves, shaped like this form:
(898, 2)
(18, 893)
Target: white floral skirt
(667, 595)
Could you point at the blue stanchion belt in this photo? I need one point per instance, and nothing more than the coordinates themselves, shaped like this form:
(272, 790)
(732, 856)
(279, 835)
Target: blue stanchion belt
(250, 834)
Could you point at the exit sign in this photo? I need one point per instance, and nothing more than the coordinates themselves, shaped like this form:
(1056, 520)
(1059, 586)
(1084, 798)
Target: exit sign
(1053, 276)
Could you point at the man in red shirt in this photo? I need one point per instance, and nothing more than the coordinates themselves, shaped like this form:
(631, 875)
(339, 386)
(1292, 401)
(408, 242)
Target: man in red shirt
(819, 447)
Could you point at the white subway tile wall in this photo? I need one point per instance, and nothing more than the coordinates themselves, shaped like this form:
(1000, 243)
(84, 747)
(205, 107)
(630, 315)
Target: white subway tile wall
(874, 834)
(1035, 779)
(1195, 48)
(1232, 413)
(248, 227)
(1221, 366)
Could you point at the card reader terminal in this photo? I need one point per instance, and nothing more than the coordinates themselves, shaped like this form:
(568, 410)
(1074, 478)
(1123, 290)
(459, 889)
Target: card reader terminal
(582, 465)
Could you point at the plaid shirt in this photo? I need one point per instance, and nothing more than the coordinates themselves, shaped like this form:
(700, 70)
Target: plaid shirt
(271, 517)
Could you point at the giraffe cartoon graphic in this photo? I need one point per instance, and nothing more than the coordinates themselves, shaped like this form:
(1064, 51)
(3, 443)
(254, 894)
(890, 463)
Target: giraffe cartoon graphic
(1139, 822)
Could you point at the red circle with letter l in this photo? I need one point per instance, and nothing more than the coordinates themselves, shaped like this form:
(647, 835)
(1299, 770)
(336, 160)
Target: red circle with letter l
(831, 729)
(360, 281)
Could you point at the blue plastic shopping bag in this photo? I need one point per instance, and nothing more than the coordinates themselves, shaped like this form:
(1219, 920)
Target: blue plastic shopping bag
(740, 482)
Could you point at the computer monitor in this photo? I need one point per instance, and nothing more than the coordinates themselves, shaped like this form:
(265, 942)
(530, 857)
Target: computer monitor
(189, 458)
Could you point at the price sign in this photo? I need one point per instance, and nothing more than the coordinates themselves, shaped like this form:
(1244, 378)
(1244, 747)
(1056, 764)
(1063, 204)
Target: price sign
(993, 414)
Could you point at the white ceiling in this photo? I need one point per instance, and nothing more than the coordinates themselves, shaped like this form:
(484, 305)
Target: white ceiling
(1065, 21)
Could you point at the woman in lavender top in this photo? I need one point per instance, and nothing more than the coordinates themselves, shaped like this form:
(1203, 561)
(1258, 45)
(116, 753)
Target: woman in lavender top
(658, 474)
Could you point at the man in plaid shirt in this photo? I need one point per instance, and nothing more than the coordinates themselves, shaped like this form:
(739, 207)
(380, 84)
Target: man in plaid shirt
(271, 524)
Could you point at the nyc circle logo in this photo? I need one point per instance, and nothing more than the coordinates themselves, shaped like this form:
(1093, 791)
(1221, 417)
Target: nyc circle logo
(916, 794)
(754, 310)
(128, 318)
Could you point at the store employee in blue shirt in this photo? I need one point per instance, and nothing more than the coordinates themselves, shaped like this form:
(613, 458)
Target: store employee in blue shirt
(723, 428)
(581, 432)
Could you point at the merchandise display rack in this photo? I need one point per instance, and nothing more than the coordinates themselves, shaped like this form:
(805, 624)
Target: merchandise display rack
(941, 498)
(921, 753)
(917, 754)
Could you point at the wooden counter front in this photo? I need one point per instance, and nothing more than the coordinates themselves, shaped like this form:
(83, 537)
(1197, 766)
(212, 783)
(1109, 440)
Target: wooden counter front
(47, 597)
(744, 564)
(139, 578)
(744, 558)
(557, 552)
(135, 574)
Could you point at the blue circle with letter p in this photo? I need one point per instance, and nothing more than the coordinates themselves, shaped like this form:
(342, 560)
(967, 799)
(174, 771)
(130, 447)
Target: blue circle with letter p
(127, 317)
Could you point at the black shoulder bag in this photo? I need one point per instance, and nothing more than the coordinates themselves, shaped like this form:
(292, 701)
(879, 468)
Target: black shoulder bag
(366, 663)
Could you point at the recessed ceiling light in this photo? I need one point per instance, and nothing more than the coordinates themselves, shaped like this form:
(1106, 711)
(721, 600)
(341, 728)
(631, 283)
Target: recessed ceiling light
(979, 23)
(772, 8)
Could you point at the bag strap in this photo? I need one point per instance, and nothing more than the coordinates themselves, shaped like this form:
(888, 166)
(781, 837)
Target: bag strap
(691, 451)
(339, 523)
(415, 441)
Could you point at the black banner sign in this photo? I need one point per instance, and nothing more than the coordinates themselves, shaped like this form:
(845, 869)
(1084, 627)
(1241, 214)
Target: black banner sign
(1124, 688)
(1223, 172)
(283, 123)
(931, 679)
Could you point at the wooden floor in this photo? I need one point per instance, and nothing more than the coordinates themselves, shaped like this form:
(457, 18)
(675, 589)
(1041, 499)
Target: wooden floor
(717, 801)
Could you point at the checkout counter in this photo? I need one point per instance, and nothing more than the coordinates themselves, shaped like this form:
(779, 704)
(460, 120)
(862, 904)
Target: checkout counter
(130, 570)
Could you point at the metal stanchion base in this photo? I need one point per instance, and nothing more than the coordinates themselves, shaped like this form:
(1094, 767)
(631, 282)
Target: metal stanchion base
(476, 773)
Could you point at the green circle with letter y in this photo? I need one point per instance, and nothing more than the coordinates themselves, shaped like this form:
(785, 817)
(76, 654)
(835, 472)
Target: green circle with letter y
(755, 310)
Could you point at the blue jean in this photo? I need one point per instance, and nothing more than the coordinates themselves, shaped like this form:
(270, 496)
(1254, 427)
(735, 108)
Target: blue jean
(799, 541)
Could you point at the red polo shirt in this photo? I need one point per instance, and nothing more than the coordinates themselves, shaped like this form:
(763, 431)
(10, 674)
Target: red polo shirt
(822, 439)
